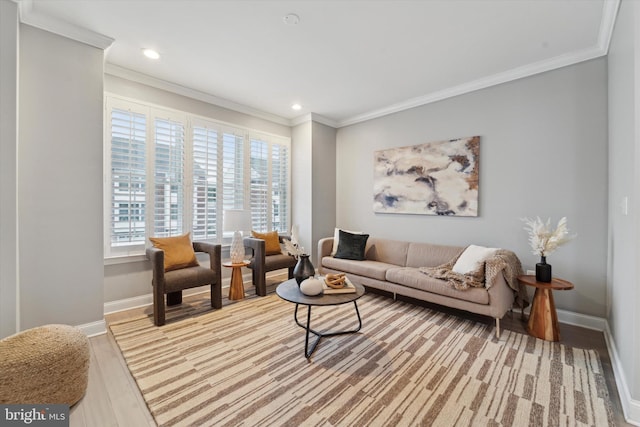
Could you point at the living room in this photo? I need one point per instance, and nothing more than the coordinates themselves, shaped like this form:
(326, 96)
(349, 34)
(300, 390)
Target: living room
(557, 143)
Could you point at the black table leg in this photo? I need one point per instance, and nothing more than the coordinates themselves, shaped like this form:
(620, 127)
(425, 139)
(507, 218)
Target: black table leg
(321, 335)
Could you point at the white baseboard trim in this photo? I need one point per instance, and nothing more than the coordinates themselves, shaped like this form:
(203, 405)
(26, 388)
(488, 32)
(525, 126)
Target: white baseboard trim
(576, 319)
(582, 320)
(630, 406)
(147, 299)
(93, 329)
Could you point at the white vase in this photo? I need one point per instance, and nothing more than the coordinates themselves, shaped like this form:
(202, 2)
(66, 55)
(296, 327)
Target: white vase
(311, 286)
(236, 251)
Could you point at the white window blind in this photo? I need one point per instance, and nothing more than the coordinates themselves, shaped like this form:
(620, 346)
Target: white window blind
(260, 197)
(269, 186)
(280, 188)
(205, 183)
(171, 172)
(168, 178)
(233, 171)
(128, 178)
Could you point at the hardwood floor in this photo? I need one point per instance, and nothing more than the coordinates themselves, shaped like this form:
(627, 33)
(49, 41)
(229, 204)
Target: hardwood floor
(113, 398)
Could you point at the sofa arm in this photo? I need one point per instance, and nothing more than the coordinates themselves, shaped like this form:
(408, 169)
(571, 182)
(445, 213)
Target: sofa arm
(325, 245)
(156, 256)
(214, 251)
(256, 247)
(501, 297)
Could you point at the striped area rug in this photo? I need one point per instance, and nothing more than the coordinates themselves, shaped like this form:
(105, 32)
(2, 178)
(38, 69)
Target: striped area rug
(409, 365)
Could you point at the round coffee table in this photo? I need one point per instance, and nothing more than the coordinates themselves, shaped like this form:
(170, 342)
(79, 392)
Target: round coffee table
(289, 291)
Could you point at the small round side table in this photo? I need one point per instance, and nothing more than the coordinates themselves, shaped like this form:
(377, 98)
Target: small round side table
(236, 288)
(543, 319)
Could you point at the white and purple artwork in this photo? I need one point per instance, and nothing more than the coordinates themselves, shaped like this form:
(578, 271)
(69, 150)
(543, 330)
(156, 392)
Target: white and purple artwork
(436, 178)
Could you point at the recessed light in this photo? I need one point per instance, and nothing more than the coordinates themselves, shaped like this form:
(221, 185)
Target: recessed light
(291, 19)
(296, 107)
(150, 53)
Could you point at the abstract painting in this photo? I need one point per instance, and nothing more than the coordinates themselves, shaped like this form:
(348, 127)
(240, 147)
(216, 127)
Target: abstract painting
(436, 178)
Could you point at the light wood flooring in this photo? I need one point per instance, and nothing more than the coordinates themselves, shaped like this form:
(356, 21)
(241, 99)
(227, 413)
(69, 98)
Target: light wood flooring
(113, 398)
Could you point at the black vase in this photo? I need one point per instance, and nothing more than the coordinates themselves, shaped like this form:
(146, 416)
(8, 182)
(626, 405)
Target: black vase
(303, 269)
(543, 271)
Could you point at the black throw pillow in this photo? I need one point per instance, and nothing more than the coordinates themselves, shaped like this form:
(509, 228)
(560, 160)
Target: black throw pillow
(351, 246)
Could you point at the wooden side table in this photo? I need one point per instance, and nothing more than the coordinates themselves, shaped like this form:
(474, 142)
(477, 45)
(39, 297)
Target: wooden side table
(543, 319)
(236, 288)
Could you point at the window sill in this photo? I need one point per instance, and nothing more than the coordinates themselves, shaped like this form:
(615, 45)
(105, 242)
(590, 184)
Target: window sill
(126, 259)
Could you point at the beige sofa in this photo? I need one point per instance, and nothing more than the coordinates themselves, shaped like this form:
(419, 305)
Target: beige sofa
(394, 266)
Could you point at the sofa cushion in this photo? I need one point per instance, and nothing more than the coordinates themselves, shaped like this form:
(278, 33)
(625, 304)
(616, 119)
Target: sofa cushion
(351, 246)
(387, 251)
(271, 242)
(413, 278)
(178, 251)
(472, 259)
(336, 238)
(428, 255)
(373, 269)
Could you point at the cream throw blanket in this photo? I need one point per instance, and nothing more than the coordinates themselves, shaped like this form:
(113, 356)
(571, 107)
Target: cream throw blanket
(502, 262)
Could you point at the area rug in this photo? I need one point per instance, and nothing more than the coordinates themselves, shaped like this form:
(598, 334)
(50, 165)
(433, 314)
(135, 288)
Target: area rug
(408, 366)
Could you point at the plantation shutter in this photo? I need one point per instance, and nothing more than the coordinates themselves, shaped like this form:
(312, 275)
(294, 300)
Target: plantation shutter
(168, 178)
(232, 165)
(260, 197)
(128, 178)
(170, 172)
(280, 188)
(205, 181)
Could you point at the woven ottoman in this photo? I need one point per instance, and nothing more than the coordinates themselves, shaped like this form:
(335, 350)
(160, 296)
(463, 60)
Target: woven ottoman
(44, 365)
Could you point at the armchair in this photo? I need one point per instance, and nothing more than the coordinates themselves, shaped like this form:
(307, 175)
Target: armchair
(173, 282)
(260, 263)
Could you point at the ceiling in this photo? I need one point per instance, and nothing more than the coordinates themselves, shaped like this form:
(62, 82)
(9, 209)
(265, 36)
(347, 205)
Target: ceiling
(345, 61)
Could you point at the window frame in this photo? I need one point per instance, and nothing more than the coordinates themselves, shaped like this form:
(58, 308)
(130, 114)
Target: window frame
(189, 122)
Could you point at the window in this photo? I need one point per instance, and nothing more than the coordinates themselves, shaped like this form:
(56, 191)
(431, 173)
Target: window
(128, 178)
(170, 172)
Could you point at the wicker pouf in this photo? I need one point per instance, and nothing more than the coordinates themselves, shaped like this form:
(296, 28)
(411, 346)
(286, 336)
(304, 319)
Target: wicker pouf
(44, 365)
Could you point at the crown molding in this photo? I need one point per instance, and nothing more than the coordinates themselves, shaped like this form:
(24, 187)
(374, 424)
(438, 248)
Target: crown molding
(609, 13)
(30, 17)
(313, 117)
(496, 79)
(125, 73)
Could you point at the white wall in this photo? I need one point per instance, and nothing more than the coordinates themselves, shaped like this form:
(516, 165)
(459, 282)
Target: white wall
(60, 180)
(301, 183)
(130, 89)
(8, 170)
(543, 151)
(624, 181)
(323, 184)
(313, 181)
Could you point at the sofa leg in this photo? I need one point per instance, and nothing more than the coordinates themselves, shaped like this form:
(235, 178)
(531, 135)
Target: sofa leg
(497, 328)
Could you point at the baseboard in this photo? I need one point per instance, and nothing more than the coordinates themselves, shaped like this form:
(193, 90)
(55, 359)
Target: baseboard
(578, 319)
(582, 320)
(92, 329)
(147, 299)
(127, 303)
(630, 406)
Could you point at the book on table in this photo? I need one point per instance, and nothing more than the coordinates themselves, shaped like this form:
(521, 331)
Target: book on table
(347, 289)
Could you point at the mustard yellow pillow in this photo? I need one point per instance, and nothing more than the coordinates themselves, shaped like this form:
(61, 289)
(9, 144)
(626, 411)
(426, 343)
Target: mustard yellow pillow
(178, 251)
(271, 242)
